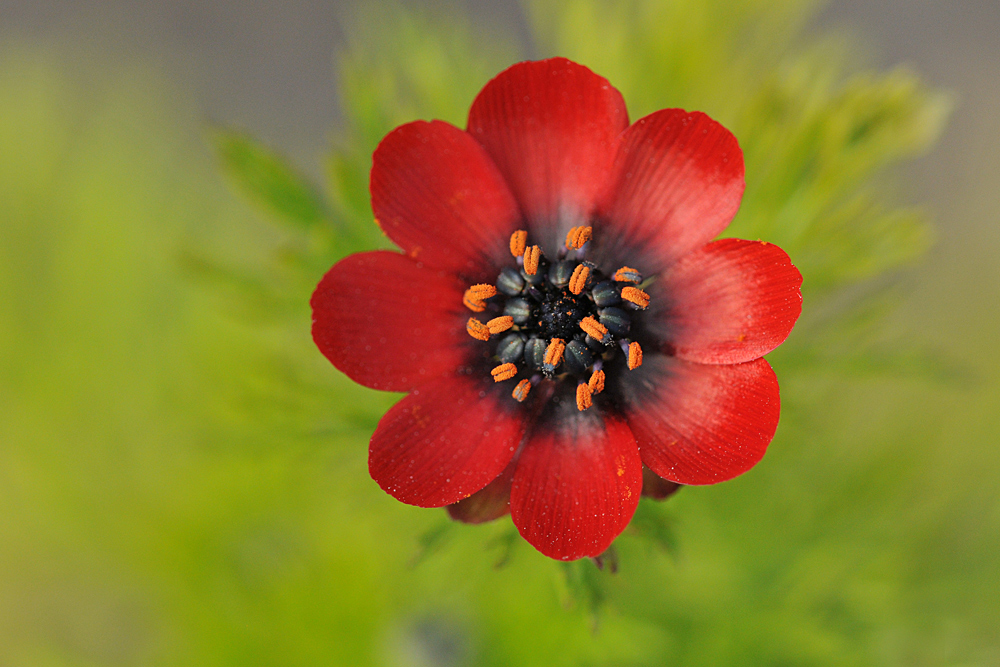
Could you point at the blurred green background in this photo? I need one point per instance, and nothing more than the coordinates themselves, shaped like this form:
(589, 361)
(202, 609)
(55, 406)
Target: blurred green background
(183, 478)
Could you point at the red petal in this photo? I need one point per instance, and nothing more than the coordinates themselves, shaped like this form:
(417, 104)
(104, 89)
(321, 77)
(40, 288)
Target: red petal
(388, 323)
(700, 423)
(446, 440)
(677, 182)
(577, 483)
(487, 504)
(436, 194)
(552, 128)
(728, 302)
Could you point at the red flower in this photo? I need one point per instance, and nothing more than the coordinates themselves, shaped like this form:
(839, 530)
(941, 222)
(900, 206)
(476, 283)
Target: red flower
(608, 332)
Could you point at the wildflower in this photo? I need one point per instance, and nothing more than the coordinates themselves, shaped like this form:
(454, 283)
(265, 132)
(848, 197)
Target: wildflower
(560, 317)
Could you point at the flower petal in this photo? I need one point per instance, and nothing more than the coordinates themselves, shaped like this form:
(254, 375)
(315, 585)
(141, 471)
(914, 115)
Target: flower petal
(576, 483)
(700, 423)
(552, 128)
(728, 302)
(446, 440)
(439, 197)
(489, 503)
(388, 323)
(676, 183)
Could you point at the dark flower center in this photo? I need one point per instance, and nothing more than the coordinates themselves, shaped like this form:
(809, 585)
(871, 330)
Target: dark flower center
(560, 314)
(558, 320)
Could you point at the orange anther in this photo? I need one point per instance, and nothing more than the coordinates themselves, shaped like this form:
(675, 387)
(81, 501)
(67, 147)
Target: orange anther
(531, 257)
(596, 383)
(583, 397)
(472, 303)
(503, 372)
(500, 324)
(578, 280)
(577, 236)
(521, 390)
(477, 329)
(634, 356)
(628, 275)
(571, 236)
(518, 240)
(636, 296)
(554, 353)
(594, 329)
(483, 291)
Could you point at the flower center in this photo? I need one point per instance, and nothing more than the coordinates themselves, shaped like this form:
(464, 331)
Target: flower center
(558, 320)
(560, 314)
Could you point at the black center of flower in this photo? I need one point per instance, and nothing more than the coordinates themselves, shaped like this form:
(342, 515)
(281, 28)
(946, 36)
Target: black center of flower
(557, 321)
(559, 314)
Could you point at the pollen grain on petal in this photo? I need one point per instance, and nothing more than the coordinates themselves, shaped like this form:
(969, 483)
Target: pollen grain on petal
(518, 241)
(578, 236)
(627, 274)
(531, 258)
(521, 390)
(500, 324)
(636, 296)
(584, 398)
(594, 329)
(554, 354)
(503, 372)
(579, 278)
(634, 356)
(477, 329)
(596, 383)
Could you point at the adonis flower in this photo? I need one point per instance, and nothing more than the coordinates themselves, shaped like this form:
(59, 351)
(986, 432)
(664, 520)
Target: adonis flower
(560, 317)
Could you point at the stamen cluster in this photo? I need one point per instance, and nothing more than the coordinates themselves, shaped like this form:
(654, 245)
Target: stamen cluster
(560, 320)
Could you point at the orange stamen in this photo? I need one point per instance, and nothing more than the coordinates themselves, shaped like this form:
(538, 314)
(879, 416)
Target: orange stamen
(483, 291)
(583, 397)
(634, 356)
(594, 329)
(578, 236)
(500, 324)
(521, 390)
(472, 303)
(531, 257)
(627, 275)
(503, 372)
(554, 353)
(477, 329)
(636, 296)
(596, 383)
(571, 236)
(579, 278)
(518, 240)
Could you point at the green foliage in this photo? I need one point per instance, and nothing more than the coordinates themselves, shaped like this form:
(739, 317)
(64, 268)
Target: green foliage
(652, 523)
(814, 145)
(308, 237)
(269, 180)
(694, 55)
